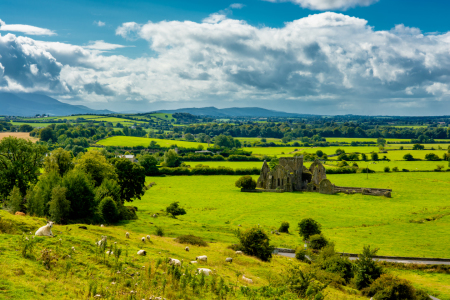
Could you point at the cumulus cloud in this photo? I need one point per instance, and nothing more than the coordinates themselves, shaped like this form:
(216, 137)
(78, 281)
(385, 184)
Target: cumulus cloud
(103, 46)
(99, 23)
(329, 4)
(27, 29)
(323, 63)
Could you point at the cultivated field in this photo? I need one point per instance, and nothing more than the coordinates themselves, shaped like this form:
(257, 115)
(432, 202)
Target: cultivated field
(22, 135)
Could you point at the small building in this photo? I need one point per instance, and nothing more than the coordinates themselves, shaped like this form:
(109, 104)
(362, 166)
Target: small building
(204, 152)
(129, 157)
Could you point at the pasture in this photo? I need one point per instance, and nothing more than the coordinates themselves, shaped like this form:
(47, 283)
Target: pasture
(130, 141)
(20, 135)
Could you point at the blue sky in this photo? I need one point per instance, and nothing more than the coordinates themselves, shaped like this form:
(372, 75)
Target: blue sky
(311, 56)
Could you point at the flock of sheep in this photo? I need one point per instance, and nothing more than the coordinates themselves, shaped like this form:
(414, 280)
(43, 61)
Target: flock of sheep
(47, 231)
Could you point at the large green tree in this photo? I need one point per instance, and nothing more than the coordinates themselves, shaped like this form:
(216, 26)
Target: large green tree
(80, 193)
(149, 163)
(59, 160)
(20, 162)
(131, 178)
(95, 164)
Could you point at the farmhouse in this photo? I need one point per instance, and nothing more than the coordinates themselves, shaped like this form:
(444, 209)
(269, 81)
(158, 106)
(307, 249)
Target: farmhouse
(291, 175)
(129, 157)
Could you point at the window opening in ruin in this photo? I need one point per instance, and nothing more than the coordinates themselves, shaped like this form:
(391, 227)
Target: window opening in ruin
(278, 181)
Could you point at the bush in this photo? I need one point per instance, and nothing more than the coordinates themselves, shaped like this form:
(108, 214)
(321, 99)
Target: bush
(14, 202)
(432, 157)
(388, 287)
(308, 227)
(284, 227)
(317, 241)
(175, 210)
(387, 169)
(366, 269)
(59, 206)
(159, 231)
(246, 182)
(300, 254)
(108, 210)
(256, 242)
(395, 169)
(408, 157)
(191, 240)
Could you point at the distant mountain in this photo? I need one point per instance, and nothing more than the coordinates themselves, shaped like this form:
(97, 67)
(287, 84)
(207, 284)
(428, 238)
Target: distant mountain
(233, 112)
(21, 104)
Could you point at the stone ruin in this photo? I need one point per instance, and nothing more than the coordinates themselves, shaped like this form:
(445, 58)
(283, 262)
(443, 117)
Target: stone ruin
(291, 175)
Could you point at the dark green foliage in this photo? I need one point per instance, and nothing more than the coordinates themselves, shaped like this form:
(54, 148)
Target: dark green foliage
(20, 163)
(149, 163)
(131, 179)
(408, 157)
(47, 134)
(15, 200)
(108, 188)
(366, 270)
(387, 169)
(255, 242)
(39, 196)
(308, 227)
(388, 287)
(300, 254)
(246, 182)
(159, 231)
(80, 193)
(25, 128)
(108, 210)
(374, 156)
(317, 241)
(174, 209)
(59, 206)
(418, 147)
(333, 262)
(432, 157)
(171, 159)
(284, 227)
(191, 240)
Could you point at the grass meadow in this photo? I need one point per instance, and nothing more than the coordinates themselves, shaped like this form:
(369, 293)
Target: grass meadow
(130, 141)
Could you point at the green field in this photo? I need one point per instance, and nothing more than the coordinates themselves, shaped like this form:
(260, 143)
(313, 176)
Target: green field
(351, 221)
(130, 141)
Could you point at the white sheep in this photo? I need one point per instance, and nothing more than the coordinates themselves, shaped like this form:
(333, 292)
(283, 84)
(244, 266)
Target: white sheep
(239, 252)
(142, 252)
(143, 239)
(102, 225)
(204, 271)
(73, 249)
(194, 262)
(229, 259)
(127, 235)
(45, 230)
(102, 241)
(109, 252)
(248, 280)
(148, 237)
(173, 261)
(187, 249)
(202, 258)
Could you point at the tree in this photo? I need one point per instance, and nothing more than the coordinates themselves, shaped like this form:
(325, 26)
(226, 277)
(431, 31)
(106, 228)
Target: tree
(363, 157)
(175, 210)
(381, 141)
(171, 159)
(108, 210)
(59, 206)
(256, 242)
(149, 163)
(40, 195)
(319, 153)
(246, 182)
(108, 188)
(367, 270)
(25, 128)
(308, 227)
(80, 193)
(59, 160)
(408, 157)
(374, 156)
(317, 241)
(224, 141)
(15, 200)
(418, 147)
(432, 157)
(189, 137)
(20, 163)
(47, 134)
(96, 165)
(131, 179)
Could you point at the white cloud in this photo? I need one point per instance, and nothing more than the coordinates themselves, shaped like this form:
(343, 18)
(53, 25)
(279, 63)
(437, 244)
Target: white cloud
(27, 29)
(103, 46)
(237, 5)
(99, 23)
(323, 63)
(329, 4)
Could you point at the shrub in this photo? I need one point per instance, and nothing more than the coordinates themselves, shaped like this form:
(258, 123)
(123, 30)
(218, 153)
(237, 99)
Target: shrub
(395, 169)
(284, 227)
(59, 206)
(191, 240)
(317, 241)
(300, 254)
(342, 163)
(159, 231)
(432, 157)
(387, 169)
(14, 202)
(256, 242)
(388, 287)
(175, 210)
(408, 157)
(366, 269)
(308, 227)
(108, 210)
(246, 182)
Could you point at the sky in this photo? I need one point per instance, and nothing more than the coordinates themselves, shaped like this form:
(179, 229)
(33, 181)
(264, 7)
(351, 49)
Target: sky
(367, 57)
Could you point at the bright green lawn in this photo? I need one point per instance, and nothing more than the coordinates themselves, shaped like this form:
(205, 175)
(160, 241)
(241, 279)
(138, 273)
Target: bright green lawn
(351, 221)
(129, 141)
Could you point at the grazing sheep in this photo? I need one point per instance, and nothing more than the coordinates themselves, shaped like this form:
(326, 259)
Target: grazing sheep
(109, 252)
(127, 235)
(187, 249)
(173, 261)
(148, 237)
(45, 230)
(142, 252)
(194, 262)
(202, 258)
(102, 241)
(102, 225)
(204, 271)
(73, 249)
(239, 252)
(248, 280)
(143, 239)
(228, 259)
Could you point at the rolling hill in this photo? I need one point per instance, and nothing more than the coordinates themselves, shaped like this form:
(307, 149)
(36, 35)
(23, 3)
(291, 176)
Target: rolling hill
(233, 112)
